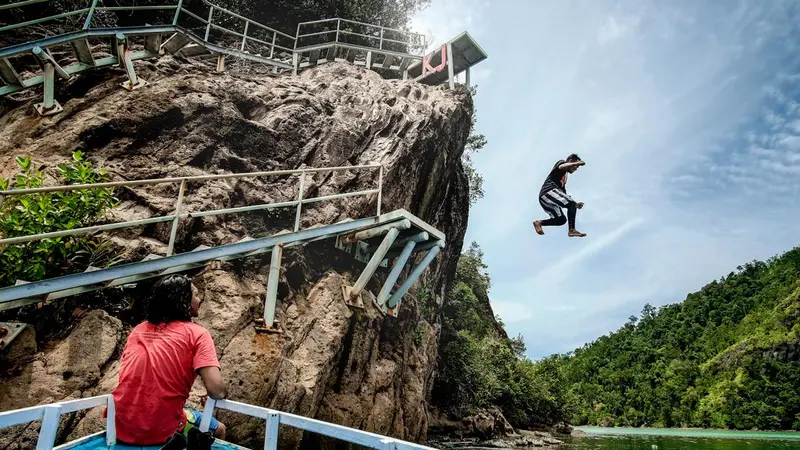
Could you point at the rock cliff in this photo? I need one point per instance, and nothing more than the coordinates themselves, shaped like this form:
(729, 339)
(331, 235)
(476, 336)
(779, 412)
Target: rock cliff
(353, 367)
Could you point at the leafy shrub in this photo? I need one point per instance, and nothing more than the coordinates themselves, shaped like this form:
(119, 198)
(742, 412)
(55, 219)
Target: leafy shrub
(45, 212)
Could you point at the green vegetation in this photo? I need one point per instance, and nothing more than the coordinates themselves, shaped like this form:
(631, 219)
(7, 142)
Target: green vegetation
(475, 143)
(23, 215)
(727, 357)
(480, 367)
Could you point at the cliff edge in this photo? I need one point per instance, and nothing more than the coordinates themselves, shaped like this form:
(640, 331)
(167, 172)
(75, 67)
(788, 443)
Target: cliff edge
(352, 367)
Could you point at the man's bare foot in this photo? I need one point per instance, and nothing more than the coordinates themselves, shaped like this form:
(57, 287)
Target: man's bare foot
(576, 233)
(537, 225)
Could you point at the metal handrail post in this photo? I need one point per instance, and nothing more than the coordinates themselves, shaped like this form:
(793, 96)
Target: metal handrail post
(297, 36)
(177, 12)
(380, 47)
(208, 27)
(90, 15)
(299, 201)
(244, 35)
(380, 189)
(174, 232)
(272, 49)
(338, 27)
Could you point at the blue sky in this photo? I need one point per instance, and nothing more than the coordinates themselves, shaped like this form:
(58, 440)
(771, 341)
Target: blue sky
(687, 114)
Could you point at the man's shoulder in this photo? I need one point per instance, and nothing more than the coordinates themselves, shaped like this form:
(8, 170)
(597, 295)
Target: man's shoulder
(195, 327)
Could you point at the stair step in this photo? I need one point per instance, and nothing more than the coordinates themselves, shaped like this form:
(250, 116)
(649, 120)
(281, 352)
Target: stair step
(83, 52)
(9, 74)
(152, 43)
(175, 42)
(193, 50)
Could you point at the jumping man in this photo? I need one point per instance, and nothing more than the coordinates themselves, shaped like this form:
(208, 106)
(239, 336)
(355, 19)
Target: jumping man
(553, 197)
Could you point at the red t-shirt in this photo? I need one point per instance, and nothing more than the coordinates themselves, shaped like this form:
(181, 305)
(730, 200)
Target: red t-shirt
(159, 366)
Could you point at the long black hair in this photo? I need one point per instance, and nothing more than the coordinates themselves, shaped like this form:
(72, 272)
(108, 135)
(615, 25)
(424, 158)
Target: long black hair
(171, 300)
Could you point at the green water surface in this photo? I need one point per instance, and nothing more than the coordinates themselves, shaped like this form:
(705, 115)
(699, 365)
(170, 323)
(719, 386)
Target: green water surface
(676, 439)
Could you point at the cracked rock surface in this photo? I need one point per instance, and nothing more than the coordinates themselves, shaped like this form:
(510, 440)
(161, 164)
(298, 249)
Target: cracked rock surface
(349, 366)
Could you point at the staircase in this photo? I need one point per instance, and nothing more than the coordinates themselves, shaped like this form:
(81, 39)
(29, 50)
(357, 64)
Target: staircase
(127, 44)
(376, 240)
(206, 33)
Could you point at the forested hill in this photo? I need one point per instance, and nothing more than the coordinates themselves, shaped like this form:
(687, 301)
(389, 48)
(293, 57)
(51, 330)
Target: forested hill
(727, 357)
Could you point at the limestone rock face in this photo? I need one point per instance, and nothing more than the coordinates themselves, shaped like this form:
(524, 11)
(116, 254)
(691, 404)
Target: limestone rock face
(353, 367)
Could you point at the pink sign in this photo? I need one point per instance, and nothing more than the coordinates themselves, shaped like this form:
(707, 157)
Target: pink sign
(426, 62)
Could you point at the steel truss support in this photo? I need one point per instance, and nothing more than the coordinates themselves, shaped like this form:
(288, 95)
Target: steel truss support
(50, 68)
(124, 53)
(393, 304)
(352, 295)
(272, 289)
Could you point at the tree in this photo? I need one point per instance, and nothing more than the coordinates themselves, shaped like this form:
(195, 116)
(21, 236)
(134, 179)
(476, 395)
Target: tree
(718, 359)
(475, 143)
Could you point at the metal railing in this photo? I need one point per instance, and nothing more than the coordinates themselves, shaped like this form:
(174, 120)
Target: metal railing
(179, 214)
(50, 416)
(276, 418)
(375, 36)
(273, 38)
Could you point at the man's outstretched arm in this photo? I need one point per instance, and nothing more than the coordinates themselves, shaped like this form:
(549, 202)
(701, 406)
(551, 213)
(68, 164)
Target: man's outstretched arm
(570, 165)
(212, 380)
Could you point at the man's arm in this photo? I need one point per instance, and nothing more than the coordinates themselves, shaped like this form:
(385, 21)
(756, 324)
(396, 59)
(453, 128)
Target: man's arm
(212, 380)
(570, 165)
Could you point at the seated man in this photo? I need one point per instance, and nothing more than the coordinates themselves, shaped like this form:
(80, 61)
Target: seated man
(160, 362)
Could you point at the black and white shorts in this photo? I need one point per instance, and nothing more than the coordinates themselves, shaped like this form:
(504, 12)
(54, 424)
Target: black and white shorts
(553, 200)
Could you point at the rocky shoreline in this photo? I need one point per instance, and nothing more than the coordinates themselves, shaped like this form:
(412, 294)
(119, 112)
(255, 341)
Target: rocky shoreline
(489, 429)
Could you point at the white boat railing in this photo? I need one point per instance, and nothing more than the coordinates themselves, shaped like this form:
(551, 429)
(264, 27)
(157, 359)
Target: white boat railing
(50, 416)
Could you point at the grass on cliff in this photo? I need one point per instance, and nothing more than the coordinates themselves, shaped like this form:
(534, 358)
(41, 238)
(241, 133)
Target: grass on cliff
(24, 215)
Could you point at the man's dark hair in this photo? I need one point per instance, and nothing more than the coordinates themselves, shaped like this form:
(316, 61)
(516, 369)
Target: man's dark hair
(171, 300)
(573, 157)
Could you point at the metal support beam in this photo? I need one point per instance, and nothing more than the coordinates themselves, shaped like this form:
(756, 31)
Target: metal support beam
(451, 76)
(9, 74)
(271, 433)
(124, 51)
(50, 68)
(299, 202)
(111, 426)
(377, 231)
(352, 294)
(49, 429)
(468, 85)
(208, 412)
(369, 60)
(174, 231)
(394, 301)
(272, 285)
(383, 295)
(83, 52)
(220, 63)
(295, 62)
(210, 21)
